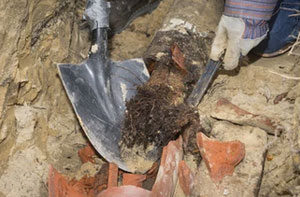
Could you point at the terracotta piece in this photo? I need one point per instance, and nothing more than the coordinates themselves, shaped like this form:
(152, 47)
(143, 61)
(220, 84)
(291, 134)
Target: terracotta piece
(178, 57)
(186, 178)
(112, 175)
(86, 154)
(133, 179)
(58, 185)
(225, 110)
(167, 176)
(153, 170)
(220, 157)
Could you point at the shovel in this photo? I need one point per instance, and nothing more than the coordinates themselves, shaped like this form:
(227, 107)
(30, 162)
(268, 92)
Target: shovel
(98, 88)
(203, 83)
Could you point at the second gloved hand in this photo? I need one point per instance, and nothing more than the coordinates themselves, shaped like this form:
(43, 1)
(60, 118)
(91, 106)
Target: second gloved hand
(237, 36)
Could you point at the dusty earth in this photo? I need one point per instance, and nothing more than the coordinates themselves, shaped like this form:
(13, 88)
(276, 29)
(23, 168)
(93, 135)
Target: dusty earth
(38, 126)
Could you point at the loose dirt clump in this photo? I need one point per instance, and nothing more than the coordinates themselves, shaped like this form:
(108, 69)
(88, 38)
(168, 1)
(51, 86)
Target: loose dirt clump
(151, 118)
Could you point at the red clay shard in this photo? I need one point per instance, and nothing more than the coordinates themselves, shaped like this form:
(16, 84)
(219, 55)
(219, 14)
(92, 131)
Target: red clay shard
(167, 176)
(134, 179)
(86, 154)
(59, 186)
(186, 178)
(225, 110)
(220, 157)
(178, 57)
(112, 175)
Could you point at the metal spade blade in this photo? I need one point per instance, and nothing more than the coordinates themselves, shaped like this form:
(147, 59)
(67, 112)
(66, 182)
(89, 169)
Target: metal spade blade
(203, 83)
(98, 88)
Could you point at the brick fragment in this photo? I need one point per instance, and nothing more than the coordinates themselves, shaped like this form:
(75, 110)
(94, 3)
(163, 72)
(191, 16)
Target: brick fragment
(112, 175)
(59, 186)
(86, 154)
(167, 176)
(186, 178)
(133, 179)
(220, 157)
(225, 110)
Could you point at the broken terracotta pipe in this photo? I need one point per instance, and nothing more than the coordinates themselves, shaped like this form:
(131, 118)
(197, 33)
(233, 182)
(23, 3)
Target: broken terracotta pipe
(186, 178)
(225, 110)
(133, 179)
(220, 157)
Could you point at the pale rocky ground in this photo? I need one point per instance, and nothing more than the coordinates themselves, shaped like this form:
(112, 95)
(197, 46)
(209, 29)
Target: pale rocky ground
(254, 89)
(38, 126)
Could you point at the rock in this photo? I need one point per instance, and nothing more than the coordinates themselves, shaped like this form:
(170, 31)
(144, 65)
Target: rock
(280, 175)
(26, 121)
(220, 157)
(134, 179)
(23, 174)
(296, 129)
(246, 178)
(167, 176)
(225, 110)
(38, 126)
(186, 178)
(3, 90)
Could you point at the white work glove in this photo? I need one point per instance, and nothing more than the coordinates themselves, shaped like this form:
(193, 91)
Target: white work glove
(229, 37)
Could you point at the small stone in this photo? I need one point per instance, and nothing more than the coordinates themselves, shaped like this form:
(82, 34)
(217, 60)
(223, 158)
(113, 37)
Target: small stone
(220, 157)
(269, 157)
(226, 192)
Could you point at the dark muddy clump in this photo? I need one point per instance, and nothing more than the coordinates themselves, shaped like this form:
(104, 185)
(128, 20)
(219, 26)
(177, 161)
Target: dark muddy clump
(152, 119)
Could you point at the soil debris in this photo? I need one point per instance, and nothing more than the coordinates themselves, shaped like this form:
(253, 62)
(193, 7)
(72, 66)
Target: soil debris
(152, 119)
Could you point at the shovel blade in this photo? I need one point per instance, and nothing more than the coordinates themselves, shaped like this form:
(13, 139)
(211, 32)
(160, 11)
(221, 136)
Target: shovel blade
(203, 83)
(98, 97)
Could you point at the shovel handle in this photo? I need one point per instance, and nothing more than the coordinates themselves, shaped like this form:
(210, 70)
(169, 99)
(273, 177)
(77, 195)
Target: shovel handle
(203, 83)
(99, 44)
(97, 14)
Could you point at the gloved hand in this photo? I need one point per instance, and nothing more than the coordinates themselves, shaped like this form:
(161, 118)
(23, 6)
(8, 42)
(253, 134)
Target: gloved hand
(240, 30)
(229, 36)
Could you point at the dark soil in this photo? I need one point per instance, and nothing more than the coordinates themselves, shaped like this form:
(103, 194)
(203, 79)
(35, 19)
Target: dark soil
(152, 119)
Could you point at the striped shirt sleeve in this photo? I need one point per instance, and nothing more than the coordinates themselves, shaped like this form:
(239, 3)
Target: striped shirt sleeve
(250, 9)
(255, 28)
